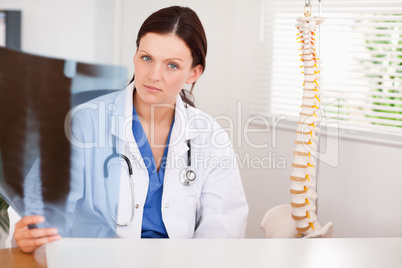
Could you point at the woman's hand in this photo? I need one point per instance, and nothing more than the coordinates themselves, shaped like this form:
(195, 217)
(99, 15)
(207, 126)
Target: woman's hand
(30, 239)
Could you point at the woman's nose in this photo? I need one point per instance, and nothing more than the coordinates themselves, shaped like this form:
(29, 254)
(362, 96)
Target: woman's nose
(156, 72)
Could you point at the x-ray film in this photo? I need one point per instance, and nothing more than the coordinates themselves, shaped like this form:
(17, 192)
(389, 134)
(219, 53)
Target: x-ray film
(38, 174)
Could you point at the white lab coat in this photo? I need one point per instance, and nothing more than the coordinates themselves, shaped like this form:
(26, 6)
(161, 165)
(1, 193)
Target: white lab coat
(213, 207)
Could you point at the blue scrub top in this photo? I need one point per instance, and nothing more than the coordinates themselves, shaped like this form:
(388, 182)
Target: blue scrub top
(152, 222)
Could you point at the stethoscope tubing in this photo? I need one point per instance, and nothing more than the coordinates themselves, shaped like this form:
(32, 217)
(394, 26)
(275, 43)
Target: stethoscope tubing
(187, 177)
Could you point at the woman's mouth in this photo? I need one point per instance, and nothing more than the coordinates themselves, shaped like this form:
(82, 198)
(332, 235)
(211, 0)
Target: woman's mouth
(152, 89)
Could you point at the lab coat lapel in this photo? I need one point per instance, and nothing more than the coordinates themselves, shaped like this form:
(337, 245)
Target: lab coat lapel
(176, 162)
(178, 144)
(121, 126)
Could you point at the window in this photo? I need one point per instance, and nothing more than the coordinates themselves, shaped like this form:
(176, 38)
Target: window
(361, 53)
(2, 29)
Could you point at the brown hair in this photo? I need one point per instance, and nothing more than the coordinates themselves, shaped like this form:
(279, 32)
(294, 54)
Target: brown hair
(183, 22)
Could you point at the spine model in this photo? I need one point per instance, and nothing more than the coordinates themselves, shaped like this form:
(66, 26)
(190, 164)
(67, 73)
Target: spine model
(303, 177)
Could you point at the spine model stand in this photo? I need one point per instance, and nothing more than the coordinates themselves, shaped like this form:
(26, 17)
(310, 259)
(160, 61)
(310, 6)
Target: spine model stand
(303, 176)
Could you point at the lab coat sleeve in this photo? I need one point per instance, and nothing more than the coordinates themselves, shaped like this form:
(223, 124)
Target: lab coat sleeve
(224, 207)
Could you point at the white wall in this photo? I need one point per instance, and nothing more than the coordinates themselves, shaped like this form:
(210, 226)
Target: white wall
(360, 195)
(65, 29)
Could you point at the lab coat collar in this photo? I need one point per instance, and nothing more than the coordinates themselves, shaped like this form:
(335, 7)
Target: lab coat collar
(123, 114)
(180, 133)
(121, 125)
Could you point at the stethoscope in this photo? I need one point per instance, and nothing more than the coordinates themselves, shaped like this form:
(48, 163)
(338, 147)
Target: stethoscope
(187, 177)
(106, 176)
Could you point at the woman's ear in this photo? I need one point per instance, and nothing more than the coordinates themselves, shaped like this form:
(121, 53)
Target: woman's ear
(196, 72)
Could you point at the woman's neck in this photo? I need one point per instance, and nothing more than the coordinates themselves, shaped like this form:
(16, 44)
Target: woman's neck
(158, 115)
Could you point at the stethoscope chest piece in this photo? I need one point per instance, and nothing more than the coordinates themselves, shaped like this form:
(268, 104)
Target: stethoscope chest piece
(187, 177)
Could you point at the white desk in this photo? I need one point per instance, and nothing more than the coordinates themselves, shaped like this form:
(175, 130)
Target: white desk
(362, 252)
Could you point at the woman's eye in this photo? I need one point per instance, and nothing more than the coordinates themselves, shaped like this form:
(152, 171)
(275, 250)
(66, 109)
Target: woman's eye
(146, 58)
(173, 66)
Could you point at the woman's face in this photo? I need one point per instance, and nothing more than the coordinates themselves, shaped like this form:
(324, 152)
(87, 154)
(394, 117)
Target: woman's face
(163, 64)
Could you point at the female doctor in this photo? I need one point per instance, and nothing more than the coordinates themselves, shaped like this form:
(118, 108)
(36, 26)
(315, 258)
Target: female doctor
(184, 183)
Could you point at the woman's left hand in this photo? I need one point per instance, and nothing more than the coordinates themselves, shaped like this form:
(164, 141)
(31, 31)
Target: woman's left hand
(30, 239)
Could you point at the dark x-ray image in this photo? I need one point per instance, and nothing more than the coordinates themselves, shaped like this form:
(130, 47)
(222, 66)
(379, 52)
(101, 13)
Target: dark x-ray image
(36, 96)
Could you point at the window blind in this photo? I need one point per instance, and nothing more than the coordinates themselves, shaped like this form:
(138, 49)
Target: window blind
(361, 51)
